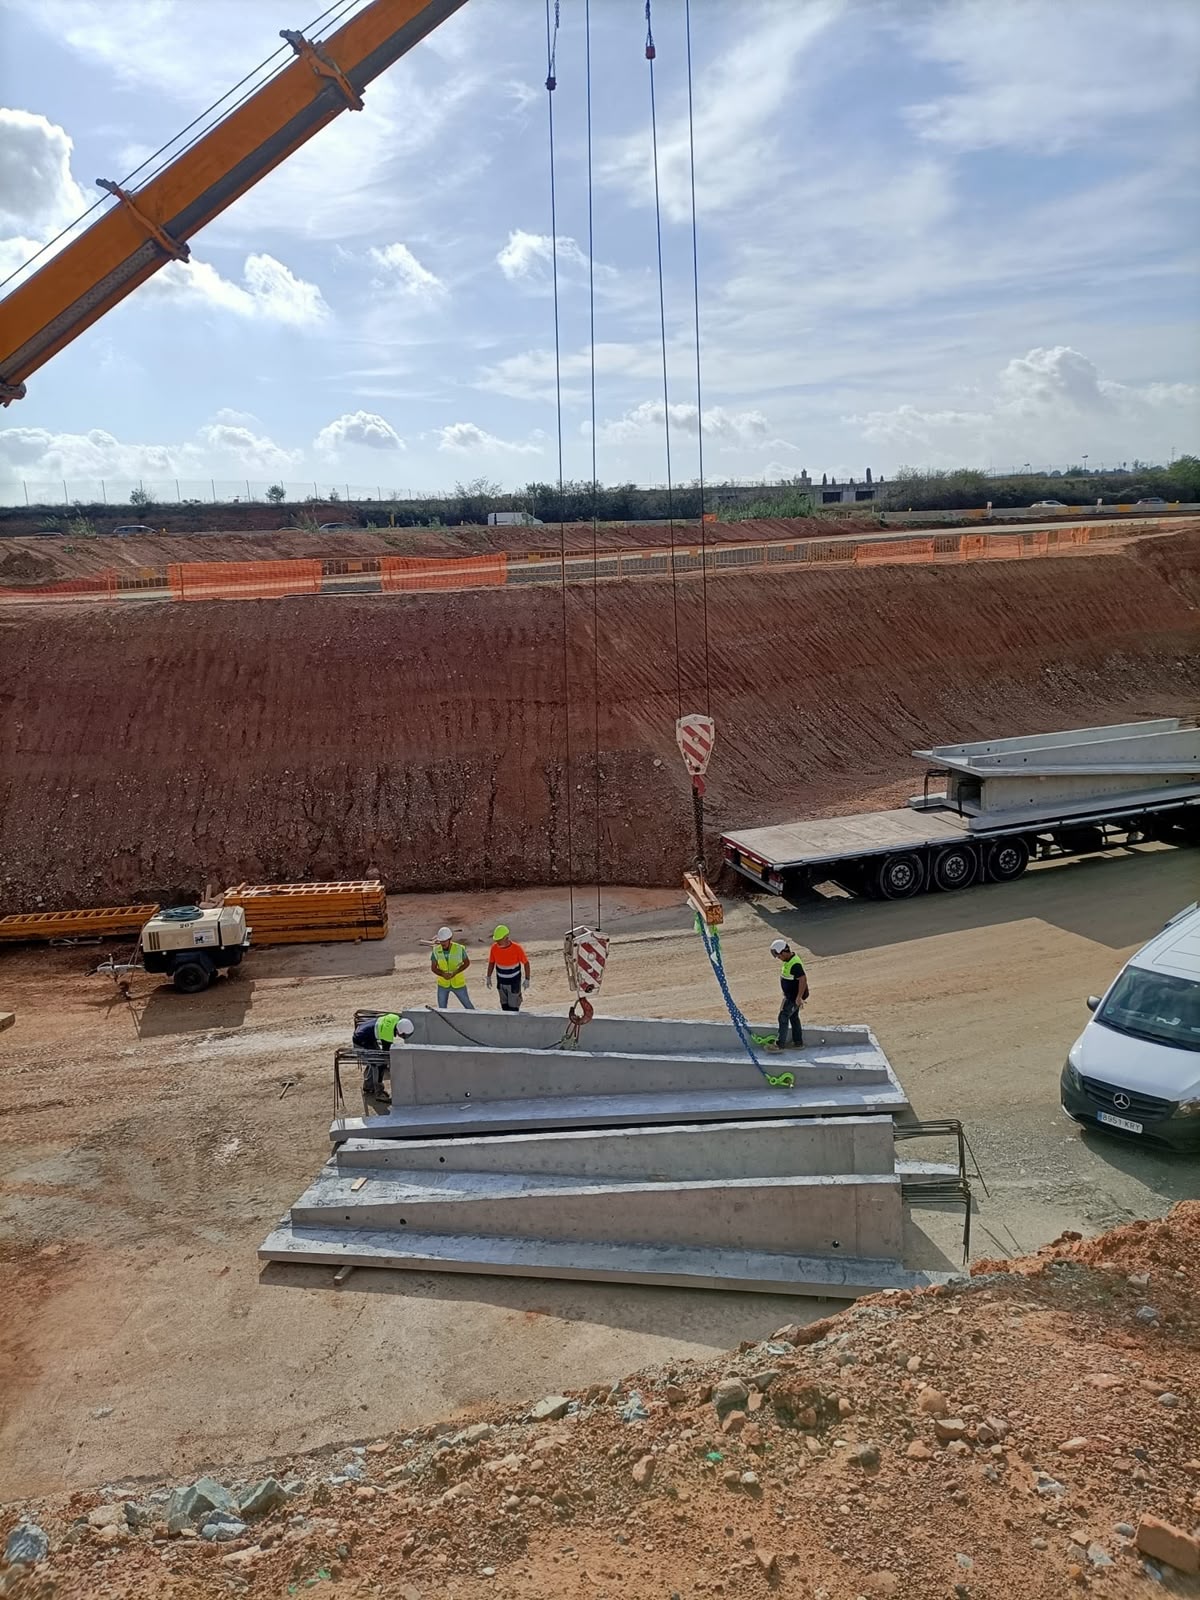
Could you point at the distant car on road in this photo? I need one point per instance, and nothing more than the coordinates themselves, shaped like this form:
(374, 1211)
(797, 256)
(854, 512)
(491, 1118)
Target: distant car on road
(128, 530)
(1151, 500)
(339, 527)
(1049, 505)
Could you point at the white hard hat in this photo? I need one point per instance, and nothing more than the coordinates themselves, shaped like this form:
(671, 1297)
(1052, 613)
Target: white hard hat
(444, 933)
(778, 946)
(404, 1027)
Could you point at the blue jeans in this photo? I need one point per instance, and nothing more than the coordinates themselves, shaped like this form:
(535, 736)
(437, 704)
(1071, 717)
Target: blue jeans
(789, 1013)
(460, 994)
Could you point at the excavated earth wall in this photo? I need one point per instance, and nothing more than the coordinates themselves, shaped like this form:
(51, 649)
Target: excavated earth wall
(146, 750)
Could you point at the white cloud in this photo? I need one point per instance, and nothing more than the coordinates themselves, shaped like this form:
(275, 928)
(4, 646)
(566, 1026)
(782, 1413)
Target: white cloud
(1041, 77)
(400, 270)
(531, 254)
(530, 375)
(1050, 405)
(38, 195)
(38, 453)
(269, 292)
(741, 100)
(358, 428)
(247, 448)
(84, 459)
(734, 428)
(465, 438)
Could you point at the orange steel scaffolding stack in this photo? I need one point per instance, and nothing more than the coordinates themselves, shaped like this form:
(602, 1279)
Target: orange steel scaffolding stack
(312, 913)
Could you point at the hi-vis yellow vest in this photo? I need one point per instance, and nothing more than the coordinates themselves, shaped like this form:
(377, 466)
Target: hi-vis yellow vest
(446, 961)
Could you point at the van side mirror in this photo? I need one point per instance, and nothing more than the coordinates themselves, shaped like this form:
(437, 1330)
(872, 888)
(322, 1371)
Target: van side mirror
(1093, 1000)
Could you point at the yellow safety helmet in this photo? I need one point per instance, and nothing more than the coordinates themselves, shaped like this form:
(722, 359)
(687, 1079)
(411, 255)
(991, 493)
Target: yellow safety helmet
(500, 933)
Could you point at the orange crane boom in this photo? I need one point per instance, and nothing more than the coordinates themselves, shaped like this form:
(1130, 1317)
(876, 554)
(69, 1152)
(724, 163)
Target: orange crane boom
(150, 226)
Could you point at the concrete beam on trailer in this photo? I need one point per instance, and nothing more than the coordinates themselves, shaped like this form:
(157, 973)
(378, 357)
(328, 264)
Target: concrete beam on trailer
(661, 1265)
(837, 1215)
(784, 1147)
(471, 1117)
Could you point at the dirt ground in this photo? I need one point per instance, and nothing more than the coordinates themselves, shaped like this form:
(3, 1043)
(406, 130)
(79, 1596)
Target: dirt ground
(1028, 1432)
(428, 735)
(146, 1150)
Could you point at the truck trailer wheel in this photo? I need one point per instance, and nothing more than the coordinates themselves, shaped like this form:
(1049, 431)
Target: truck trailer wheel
(955, 867)
(192, 977)
(900, 876)
(1006, 859)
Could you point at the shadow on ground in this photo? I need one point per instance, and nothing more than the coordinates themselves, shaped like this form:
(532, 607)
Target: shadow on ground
(164, 1011)
(715, 1316)
(1119, 898)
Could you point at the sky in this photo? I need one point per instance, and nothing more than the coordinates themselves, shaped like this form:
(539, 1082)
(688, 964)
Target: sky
(930, 233)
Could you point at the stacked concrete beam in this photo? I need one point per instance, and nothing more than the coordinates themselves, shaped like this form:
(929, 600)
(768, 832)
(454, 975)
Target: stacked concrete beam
(659, 1154)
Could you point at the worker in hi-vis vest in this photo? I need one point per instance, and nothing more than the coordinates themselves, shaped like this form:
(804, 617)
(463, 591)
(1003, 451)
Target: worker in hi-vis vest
(794, 983)
(448, 962)
(508, 961)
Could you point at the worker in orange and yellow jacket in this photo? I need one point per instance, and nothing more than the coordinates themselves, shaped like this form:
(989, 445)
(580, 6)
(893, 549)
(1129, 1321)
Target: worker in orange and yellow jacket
(509, 963)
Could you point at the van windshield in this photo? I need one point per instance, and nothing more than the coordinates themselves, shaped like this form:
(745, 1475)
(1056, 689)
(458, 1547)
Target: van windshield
(1156, 1006)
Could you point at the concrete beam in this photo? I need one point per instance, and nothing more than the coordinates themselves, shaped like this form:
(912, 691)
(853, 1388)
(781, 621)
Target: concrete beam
(837, 1215)
(472, 1117)
(753, 1271)
(654, 1036)
(786, 1147)
(432, 1075)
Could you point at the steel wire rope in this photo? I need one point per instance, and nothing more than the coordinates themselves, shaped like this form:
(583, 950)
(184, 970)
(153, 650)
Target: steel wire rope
(551, 85)
(587, 31)
(662, 317)
(687, 22)
(341, 7)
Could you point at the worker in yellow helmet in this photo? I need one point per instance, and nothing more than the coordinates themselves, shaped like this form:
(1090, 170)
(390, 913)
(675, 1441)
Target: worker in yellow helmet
(508, 961)
(448, 961)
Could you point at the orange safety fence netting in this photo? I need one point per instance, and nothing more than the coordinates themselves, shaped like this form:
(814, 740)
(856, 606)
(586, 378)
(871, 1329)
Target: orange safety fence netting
(242, 580)
(404, 574)
(895, 550)
(99, 585)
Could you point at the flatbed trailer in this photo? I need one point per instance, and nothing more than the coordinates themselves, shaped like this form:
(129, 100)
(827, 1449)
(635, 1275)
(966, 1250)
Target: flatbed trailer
(1005, 802)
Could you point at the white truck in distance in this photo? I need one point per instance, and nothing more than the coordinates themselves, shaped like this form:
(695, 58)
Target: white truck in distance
(1005, 802)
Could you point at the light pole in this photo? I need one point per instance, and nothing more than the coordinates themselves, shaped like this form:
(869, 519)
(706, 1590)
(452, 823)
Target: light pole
(1085, 461)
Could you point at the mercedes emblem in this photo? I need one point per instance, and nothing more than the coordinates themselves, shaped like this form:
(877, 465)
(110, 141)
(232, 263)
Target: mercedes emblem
(1121, 1101)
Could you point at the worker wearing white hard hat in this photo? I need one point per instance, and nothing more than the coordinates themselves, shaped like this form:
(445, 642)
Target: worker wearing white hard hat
(377, 1035)
(794, 984)
(448, 961)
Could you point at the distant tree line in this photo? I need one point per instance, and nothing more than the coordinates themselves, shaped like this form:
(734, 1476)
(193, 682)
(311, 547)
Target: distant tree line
(970, 489)
(470, 503)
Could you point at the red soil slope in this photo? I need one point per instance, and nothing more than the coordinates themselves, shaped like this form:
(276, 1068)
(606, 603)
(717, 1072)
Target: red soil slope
(143, 751)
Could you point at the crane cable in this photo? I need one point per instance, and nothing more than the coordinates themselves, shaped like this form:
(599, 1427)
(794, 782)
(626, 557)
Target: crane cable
(662, 317)
(709, 934)
(687, 17)
(587, 32)
(551, 85)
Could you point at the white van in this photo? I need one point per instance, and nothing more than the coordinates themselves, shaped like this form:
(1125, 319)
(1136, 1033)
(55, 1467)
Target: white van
(1135, 1068)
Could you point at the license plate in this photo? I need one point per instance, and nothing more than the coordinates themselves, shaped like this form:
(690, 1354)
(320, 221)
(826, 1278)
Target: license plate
(1124, 1123)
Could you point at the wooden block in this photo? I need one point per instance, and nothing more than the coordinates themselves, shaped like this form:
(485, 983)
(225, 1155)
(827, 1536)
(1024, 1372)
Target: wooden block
(357, 1185)
(7, 1018)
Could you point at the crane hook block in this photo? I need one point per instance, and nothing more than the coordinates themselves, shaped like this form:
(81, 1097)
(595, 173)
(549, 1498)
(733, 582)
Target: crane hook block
(586, 954)
(696, 735)
(551, 84)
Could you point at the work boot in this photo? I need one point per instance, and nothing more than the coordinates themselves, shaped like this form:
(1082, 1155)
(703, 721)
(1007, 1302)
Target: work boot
(774, 1048)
